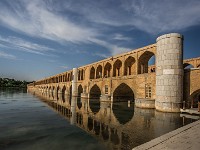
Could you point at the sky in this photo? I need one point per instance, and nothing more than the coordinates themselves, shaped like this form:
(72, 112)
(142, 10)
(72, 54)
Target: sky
(40, 38)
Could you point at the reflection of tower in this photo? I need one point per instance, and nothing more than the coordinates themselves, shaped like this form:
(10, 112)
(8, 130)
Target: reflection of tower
(74, 82)
(73, 110)
(169, 72)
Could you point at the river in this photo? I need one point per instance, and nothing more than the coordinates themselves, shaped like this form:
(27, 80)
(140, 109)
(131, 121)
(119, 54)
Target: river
(41, 121)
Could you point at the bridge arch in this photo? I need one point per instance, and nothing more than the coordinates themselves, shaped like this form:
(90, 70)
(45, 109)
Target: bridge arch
(64, 90)
(92, 73)
(194, 98)
(95, 91)
(94, 101)
(117, 68)
(80, 74)
(99, 72)
(80, 90)
(122, 110)
(187, 66)
(50, 89)
(70, 92)
(143, 62)
(129, 67)
(63, 93)
(123, 93)
(58, 89)
(107, 70)
(53, 89)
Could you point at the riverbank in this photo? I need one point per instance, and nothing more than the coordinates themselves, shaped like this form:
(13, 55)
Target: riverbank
(184, 138)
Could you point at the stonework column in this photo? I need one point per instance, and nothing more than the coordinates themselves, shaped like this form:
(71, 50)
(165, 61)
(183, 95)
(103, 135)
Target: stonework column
(74, 82)
(73, 110)
(169, 72)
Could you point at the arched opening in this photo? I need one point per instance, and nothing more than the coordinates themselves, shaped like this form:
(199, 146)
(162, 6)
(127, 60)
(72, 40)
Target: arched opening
(122, 107)
(94, 101)
(65, 77)
(63, 93)
(49, 89)
(79, 75)
(80, 90)
(129, 67)
(70, 93)
(195, 97)
(79, 104)
(107, 70)
(99, 72)
(117, 68)
(68, 77)
(92, 73)
(146, 63)
(71, 76)
(57, 92)
(187, 66)
(95, 92)
(123, 93)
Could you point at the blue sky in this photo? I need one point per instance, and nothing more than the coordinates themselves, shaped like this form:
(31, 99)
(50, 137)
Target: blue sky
(39, 38)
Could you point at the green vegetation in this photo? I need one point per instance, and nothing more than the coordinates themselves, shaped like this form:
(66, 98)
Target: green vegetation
(6, 82)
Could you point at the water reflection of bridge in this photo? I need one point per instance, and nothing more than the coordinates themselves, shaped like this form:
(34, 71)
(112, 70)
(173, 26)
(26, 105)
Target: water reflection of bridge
(118, 128)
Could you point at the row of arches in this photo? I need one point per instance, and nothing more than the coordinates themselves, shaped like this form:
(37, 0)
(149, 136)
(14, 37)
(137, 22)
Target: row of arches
(122, 93)
(61, 90)
(130, 67)
(62, 78)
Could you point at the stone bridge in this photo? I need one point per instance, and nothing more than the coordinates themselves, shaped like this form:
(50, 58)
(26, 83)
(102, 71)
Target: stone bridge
(163, 85)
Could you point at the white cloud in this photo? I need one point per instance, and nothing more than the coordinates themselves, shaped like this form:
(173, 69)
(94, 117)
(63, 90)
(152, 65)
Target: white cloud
(23, 45)
(53, 20)
(37, 20)
(7, 56)
(121, 37)
(111, 47)
(151, 16)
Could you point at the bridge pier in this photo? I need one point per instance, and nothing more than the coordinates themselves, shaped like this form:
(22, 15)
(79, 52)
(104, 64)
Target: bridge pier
(169, 72)
(74, 82)
(105, 98)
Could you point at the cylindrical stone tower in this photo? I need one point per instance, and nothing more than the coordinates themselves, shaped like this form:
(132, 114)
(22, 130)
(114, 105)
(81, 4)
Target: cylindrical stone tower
(169, 72)
(74, 82)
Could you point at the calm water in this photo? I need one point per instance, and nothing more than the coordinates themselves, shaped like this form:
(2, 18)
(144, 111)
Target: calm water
(42, 121)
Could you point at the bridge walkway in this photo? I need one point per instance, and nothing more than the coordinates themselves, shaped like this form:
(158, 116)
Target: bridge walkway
(184, 138)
